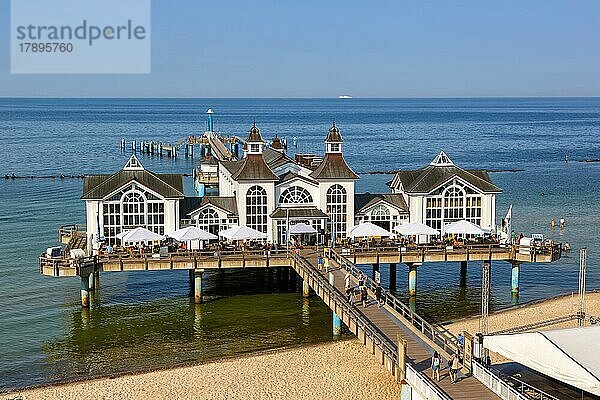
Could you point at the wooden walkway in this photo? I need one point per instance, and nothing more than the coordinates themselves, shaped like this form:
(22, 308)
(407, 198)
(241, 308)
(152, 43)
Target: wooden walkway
(418, 351)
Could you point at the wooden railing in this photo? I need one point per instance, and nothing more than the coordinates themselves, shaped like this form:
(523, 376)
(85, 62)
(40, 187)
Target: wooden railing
(68, 231)
(417, 380)
(436, 333)
(553, 250)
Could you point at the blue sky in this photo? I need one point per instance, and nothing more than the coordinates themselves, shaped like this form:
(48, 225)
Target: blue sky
(308, 48)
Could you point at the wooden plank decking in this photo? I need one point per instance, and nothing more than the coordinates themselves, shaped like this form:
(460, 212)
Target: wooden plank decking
(418, 351)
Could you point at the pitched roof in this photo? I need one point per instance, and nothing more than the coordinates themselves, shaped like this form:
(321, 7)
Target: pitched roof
(276, 143)
(333, 166)
(209, 159)
(100, 186)
(365, 200)
(298, 212)
(426, 179)
(334, 135)
(232, 166)
(275, 158)
(190, 204)
(254, 134)
(288, 176)
(253, 168)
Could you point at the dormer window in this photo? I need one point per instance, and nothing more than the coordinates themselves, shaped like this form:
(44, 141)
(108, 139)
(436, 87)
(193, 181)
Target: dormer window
(254, 148)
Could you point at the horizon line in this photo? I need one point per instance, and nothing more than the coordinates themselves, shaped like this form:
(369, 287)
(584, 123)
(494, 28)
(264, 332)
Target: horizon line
(302, 98)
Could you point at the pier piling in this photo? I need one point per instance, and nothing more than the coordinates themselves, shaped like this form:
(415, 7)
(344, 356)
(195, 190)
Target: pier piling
(337, 322)
(412, 279)
(85, 291)
(305, 289)
(463, 274)
(393, 268)
(92, 282)
(514, 277)
(198, 285)
(375, 269)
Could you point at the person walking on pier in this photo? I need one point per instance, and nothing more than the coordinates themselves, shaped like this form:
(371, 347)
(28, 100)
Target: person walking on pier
(435, 366)
(454, 366)
(349, 288)
(363, 296)
(320, 263)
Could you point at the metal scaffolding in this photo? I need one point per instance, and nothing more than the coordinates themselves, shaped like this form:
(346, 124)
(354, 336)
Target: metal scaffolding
(582, 271)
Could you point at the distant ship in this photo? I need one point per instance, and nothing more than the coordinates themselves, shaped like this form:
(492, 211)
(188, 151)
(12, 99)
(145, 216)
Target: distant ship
(344, 97)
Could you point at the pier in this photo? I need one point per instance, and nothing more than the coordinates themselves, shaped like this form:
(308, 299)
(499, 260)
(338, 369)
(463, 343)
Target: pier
(398, 337)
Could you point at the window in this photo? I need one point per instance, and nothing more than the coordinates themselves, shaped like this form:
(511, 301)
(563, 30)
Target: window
(454, 199)
(208, 219)
(130, 208)
(254, 148)
(134, 210)
(335, 147)
(295, 195)
(336, 209)
(380, 216)
(256, 208)
(111, 222)
(452, 202)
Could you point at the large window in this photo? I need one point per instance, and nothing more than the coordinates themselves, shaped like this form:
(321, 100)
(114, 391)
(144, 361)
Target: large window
(336, 209)
(134, 210)
(256, 208)
(295, 195)
(130, 208)
(380, 215)
(208, 219)
(452, 202)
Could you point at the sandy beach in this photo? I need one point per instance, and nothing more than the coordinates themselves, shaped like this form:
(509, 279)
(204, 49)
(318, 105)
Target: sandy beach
(338, 370)
(531, 313)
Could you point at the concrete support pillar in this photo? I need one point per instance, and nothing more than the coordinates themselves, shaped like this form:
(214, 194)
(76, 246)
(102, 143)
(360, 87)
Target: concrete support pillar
(337, 325)
(463, 274)
(92, 282)
(337, 322)
(198, 285)
(85, 291)
(305, 289)
(412, 280)
(393, 278)
(514, 277)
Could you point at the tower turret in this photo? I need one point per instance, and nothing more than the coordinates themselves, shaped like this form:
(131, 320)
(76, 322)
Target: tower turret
(333, 141)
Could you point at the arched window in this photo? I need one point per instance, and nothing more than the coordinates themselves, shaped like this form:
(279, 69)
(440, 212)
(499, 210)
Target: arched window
(336, 209)
(256, 208)
(295, 195)
(208, 219)
(134, 209)
(454, 203)
(380, 215)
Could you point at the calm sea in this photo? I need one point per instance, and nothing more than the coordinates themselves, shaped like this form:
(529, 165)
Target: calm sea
(142, 320)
